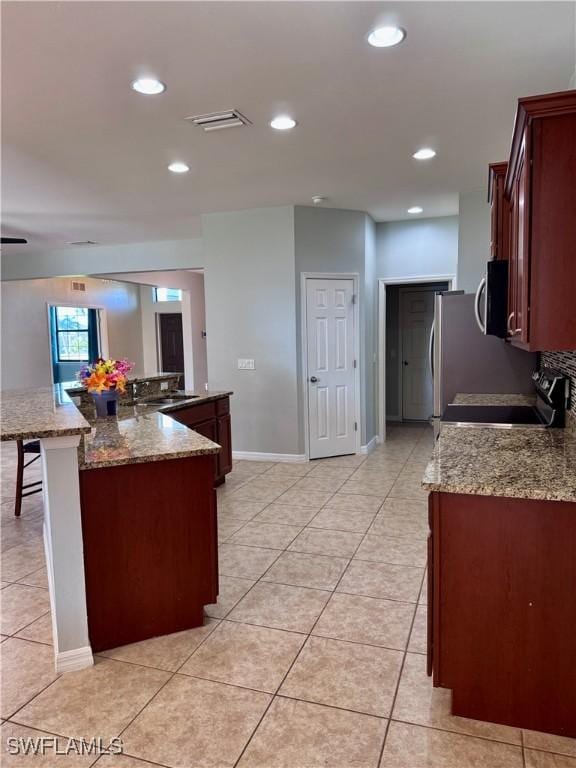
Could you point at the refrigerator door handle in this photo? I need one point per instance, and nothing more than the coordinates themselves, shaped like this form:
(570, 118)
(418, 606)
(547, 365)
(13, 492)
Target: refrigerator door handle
(478, 299)
(431, 352)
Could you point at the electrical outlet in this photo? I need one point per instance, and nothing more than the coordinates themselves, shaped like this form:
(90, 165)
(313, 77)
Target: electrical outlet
(246, 364)
(163, 386)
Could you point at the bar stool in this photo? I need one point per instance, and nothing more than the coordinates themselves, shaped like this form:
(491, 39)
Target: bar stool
(30, 447)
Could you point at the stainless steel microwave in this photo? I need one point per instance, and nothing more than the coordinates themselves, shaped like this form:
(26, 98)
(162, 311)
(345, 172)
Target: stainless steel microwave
(491, 302)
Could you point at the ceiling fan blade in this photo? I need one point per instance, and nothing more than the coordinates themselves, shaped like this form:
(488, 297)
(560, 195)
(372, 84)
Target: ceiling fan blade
(10, 240)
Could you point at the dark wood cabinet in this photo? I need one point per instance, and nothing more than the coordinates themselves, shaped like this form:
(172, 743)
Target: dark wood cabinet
(501, 609)
(499, 212)
(212, 420)
(540, 190)
(150, 548)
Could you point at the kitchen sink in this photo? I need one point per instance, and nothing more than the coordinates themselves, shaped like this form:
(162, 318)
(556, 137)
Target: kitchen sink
(171, 399)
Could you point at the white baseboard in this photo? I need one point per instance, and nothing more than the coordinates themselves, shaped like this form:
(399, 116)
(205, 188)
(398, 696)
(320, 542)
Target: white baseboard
(288, 458)
(369, 447)
(77, 658)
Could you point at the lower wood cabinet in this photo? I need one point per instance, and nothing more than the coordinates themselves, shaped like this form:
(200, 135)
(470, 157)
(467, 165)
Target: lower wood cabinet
(212, 420)
(502, 609)
(150, 548)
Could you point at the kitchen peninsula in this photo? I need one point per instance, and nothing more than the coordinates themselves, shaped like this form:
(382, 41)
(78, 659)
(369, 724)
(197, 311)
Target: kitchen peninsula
(502, 572)
(130, 516)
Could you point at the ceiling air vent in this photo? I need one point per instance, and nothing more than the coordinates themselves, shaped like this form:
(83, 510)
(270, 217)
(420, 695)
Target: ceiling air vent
(77, 286)
(230, 118)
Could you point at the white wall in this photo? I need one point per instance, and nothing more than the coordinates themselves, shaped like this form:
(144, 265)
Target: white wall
(473, 239)
(26, 358)
(370, 315)
(417, 247)
(26, 263)
(250, 313)
(192, 308)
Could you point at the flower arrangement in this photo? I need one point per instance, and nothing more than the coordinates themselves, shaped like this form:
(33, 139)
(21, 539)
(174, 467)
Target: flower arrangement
(105, 375)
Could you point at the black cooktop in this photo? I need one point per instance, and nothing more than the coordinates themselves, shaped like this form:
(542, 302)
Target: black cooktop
(500, 415)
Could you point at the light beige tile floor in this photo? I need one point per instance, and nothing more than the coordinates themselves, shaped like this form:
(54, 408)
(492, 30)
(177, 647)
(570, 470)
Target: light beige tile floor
(313, 657)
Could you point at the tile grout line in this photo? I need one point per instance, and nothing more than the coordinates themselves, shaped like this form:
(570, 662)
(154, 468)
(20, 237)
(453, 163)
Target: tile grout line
(276, 694)
(306, 635)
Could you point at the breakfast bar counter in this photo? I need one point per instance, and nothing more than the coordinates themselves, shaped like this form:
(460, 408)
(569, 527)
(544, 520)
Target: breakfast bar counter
(130, 512)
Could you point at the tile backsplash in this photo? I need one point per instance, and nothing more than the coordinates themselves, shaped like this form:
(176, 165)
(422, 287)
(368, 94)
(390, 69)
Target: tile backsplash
(565, 362)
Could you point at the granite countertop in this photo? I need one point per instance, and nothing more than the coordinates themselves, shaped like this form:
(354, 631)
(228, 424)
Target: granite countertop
(144, 432)
(519, 463)
(134, 377)
(469, 399)
(194, 398)
(36, 413)
(139, 438)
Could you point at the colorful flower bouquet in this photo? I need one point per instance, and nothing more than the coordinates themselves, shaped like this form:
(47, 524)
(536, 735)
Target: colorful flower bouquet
(105, 380)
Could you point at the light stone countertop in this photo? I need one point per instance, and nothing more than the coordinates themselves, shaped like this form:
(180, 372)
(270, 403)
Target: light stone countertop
(470, 399)
(518, 463)
(141, 433)
(144, 432)
(144, 437)
(75, 386)
(42, 412)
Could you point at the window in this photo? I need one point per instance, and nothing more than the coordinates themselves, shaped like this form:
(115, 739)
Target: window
(167, 294)
(72, 334)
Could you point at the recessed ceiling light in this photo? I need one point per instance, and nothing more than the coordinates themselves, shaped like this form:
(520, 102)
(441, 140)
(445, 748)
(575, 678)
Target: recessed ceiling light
(386, 37)
(178, 167)
(415, 209)
(424, 154)
(283, 123)
(149, 86)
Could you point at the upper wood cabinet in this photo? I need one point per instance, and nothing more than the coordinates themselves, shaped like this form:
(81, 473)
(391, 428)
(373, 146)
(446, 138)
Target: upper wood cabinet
(499, 211)
(540, 190)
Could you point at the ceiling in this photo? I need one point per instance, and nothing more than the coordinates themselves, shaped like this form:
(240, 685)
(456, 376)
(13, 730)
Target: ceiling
(84, 157)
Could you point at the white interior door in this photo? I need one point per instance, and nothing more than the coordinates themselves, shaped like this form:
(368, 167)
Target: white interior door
(417, 388)
(331, 374)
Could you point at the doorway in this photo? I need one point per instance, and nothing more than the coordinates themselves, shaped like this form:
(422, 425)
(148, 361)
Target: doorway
(330, 328)
(406, 316)
(171, 344)
(416, 318)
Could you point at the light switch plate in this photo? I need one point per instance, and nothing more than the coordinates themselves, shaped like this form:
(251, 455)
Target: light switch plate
(246, 364)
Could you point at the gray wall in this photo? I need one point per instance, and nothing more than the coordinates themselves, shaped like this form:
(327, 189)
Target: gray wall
(25, 333)
(473, 239)
(417, 247)
(330, 240)
(250, 312)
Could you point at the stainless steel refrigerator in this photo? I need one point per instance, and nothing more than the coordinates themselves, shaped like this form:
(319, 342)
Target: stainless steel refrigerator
(463, 359)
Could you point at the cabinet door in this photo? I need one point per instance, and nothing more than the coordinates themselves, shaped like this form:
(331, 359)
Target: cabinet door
(499, 213)
(519, 261)
(224, 438)
(207, 429)
(512, 263)
(521, 318)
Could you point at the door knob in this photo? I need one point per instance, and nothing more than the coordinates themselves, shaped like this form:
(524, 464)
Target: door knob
(313, 379)
(404, 362)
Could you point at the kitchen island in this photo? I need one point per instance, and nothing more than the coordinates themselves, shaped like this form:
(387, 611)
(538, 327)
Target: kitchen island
(502, 574)
(130, 518)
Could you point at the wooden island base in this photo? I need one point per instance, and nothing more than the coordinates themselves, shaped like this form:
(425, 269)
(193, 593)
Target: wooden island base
(502, 609)
(150, 548)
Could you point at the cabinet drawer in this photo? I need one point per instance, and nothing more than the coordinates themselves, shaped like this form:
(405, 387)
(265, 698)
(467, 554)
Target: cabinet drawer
(194, 414)
(223, 406)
